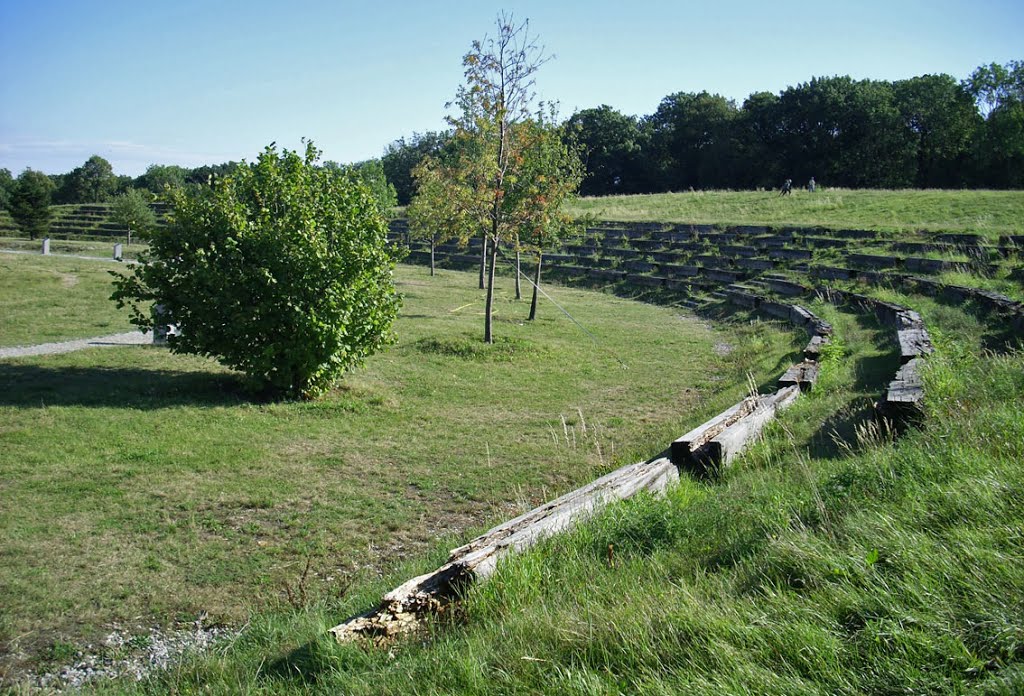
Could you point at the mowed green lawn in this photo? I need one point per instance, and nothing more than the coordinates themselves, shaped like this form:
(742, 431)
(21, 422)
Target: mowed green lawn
(990, 213)
(140, 487)
(45, 299)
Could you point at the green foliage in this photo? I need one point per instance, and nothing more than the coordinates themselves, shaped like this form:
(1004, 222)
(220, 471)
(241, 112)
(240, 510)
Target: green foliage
(610, 142)
(371, 173)
(131, 210)
(280, 270)
(943, 121)
(403, 156)
(158, 178)
(30, 202)
(692, 141)
(93, 182)
(6, 188)
(995, 85)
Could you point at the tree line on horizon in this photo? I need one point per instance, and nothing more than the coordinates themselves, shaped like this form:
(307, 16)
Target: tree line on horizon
(924, 132)
(930, 131)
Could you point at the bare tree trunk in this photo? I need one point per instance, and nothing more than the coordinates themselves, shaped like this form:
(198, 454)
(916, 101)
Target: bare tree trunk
(536, 288)
(519, 289)
(433, 241)
(489, 307)
(483, 260)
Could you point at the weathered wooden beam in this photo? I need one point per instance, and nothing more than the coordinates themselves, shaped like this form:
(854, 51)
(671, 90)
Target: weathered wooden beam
(803, 375)
(403, 609)
(715, 443)
(813, 349)
(905, 394)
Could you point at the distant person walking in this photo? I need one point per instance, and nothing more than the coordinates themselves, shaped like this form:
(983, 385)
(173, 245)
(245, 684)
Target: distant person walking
(811, 186)
(787, 187)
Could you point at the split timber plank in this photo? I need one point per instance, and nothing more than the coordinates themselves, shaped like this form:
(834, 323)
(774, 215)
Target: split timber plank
(914, 343)
(813, 349)
(803, 375)
(903, 398)
(404, 608)
(730, 442)
(715, 443)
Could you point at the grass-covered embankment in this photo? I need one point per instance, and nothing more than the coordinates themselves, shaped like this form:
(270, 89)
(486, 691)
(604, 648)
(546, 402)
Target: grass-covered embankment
(875, 566)
(142, 487)
(990, 213)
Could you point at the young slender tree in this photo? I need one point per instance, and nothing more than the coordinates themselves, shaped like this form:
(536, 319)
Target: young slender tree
(434, 215)
(554, 172)
(131, 210)
(494, 182)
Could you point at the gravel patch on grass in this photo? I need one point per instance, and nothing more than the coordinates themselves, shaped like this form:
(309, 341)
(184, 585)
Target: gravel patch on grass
(126, 655)
(131, 338)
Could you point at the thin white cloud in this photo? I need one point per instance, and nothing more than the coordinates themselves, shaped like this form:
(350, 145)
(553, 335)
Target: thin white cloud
(127, 157)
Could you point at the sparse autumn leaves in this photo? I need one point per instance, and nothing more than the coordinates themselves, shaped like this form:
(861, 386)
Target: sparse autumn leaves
(507, 170)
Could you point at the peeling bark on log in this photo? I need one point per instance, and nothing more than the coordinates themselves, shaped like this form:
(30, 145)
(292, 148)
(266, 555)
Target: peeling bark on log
(404, 608)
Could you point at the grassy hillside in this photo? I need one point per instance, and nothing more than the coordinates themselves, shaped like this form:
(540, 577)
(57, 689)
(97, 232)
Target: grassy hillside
(836, 556)
(832, 558)
(142, 487)
(983, 212)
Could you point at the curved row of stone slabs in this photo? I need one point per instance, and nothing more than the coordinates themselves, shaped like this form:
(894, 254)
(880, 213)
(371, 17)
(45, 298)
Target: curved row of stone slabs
(704, 449)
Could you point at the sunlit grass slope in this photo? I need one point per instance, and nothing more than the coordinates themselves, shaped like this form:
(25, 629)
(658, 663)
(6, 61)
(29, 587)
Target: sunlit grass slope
(141, 487)
(983, 212)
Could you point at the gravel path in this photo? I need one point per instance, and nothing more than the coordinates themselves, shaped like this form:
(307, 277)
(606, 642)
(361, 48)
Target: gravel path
(69, 256)
(132, 338)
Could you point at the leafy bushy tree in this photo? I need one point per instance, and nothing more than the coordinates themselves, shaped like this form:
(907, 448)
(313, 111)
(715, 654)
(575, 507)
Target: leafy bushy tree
(610, 143)
(941, 118)
(160, 177)
(93, 182)
(693, 140)
(131, 210)
(30, 202)
(995, 85)
(403, 156)
(371, 172)
(280, 269)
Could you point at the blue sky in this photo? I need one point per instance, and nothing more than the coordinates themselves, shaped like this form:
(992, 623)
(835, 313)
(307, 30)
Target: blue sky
(195, 82)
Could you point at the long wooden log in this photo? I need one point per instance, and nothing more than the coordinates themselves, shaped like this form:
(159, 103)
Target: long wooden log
(403, 609)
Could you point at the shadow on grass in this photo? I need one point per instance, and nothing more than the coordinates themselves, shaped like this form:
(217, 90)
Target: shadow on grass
(305, 664)
(35, 386)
